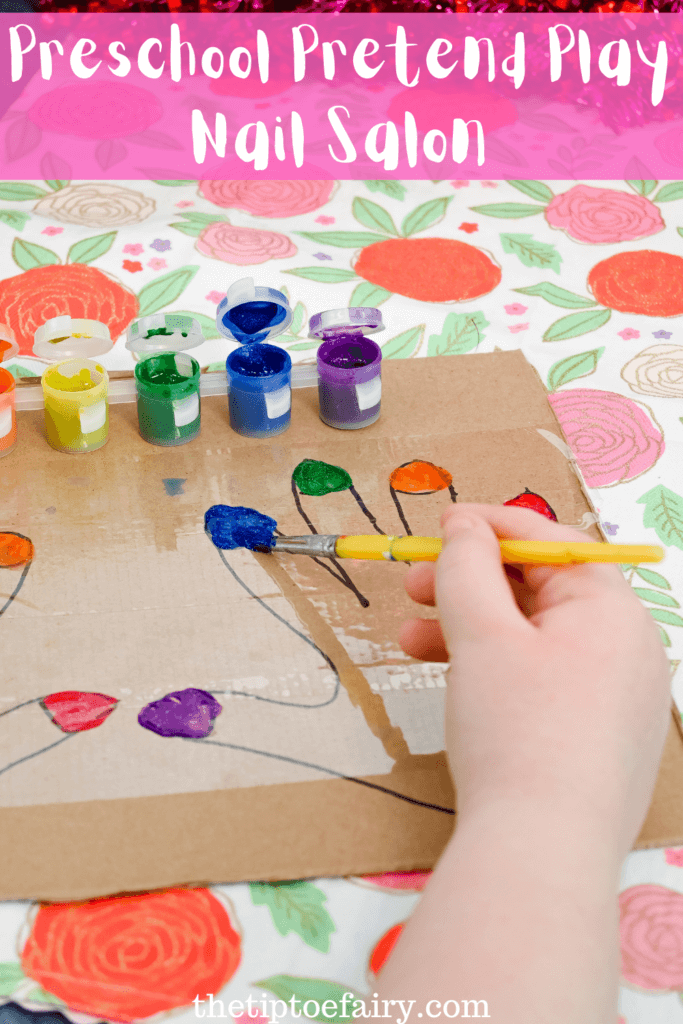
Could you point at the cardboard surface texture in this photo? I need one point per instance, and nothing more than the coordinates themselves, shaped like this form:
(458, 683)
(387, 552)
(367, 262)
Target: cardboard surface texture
(328, 755)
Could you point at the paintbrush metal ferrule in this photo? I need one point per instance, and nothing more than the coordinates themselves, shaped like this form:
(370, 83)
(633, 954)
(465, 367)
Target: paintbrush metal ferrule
(317, 545)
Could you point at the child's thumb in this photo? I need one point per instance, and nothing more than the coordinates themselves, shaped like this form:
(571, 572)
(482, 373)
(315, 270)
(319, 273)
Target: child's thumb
(472, 592)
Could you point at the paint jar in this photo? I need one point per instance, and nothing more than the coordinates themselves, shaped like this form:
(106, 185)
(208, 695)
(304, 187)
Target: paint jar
(251, 314)
(169, 410)
(76, 406)
(349, 366)
(8, 412)
(163, 332)
(259, 390)
(8, 343)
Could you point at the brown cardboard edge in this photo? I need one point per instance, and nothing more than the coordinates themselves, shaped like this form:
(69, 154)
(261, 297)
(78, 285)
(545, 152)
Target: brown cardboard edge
(150, 843)
(157, 842)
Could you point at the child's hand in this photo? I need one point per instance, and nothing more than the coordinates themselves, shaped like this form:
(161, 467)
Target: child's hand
(559, 685)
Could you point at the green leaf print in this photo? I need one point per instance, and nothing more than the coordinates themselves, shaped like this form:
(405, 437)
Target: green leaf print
(674, 190)
(368, 294)
(461, 333)
(28, 255)
(393, 189)
(535, 189)
(651, 577)
(642, 186)
(11, 977)
(343, 239)
(508, 211)
(373, 216)
(664, 513)
(327, 995)
(669, 617)
(296, 907)
(425, 216)
(556, 295)
(576, 324)
(164, 290)
(654, 597)
(324, 275)
(531, 252)
(405, 344)
(89, 249)
(580, 365)
(15, 219)
(18, 191)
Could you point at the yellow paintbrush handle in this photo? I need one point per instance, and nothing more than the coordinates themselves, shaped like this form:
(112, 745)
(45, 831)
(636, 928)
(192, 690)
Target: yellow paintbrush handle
(526, 552)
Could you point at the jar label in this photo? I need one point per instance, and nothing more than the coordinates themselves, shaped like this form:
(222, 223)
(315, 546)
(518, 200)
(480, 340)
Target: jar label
(278, 402)
(93, 417)
(369, 393)
(186, 410)
(5, 421)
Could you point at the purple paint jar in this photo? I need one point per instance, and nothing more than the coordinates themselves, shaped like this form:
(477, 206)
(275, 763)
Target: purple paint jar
(349, 366)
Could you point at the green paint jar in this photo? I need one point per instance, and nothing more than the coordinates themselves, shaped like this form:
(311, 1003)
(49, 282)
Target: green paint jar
(169, 411)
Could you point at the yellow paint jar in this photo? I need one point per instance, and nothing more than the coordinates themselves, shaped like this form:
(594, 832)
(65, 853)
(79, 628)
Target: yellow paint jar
(76, 406)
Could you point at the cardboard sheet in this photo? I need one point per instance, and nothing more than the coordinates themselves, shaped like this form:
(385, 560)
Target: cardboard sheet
(328, 755)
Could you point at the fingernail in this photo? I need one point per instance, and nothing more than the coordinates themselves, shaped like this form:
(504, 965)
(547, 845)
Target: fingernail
(456, 525)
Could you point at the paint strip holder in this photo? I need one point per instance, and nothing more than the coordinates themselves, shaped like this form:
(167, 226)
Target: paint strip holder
(29, 395)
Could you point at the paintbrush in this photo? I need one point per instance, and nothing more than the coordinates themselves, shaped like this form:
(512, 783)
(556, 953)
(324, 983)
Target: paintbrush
(427, 549)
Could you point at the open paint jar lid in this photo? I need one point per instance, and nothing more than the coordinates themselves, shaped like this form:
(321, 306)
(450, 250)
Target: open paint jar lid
(8, 343)
(352, 320)
(252, 313)
(163, 332)
(64, 337)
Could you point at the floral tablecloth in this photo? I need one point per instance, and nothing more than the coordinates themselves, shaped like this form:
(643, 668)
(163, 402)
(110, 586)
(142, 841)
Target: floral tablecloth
(585, 278)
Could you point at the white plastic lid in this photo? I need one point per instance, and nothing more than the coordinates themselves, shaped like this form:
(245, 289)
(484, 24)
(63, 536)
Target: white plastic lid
(163, 332)
(63, 337)
(8, 335)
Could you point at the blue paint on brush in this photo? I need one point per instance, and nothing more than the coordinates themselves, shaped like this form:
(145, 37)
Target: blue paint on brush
(234, 526)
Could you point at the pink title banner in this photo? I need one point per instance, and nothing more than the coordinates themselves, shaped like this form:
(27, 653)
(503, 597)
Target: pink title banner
(283, 96)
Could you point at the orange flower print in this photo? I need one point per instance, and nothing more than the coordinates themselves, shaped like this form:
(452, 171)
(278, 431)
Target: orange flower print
(382, 950)
(29, 299)
(129, 957)
(646, 282)
(429, 269)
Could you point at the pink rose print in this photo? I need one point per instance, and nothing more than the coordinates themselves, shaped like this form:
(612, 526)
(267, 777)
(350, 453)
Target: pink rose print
(215, 296)
(184, 203)
(243, 247)
(51, 231)
(674, 857)
(133, 248)
(651, 932)
(613, 438)
(400, 881)
(670, 145)
(601, 215)
(322, 219)
(628, 333)
(96, 110)
(132, 265)
(516, 328)
(157, 264)
(515, 309)
(268, 198)
(460, 184)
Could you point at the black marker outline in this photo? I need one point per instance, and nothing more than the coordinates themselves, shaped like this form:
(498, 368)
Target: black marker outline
(328, 771)
(325, 657)
(344, 577)
(36, 752)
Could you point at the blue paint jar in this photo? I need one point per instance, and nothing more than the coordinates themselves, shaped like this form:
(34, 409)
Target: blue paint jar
(259, 375)
(259, 390)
